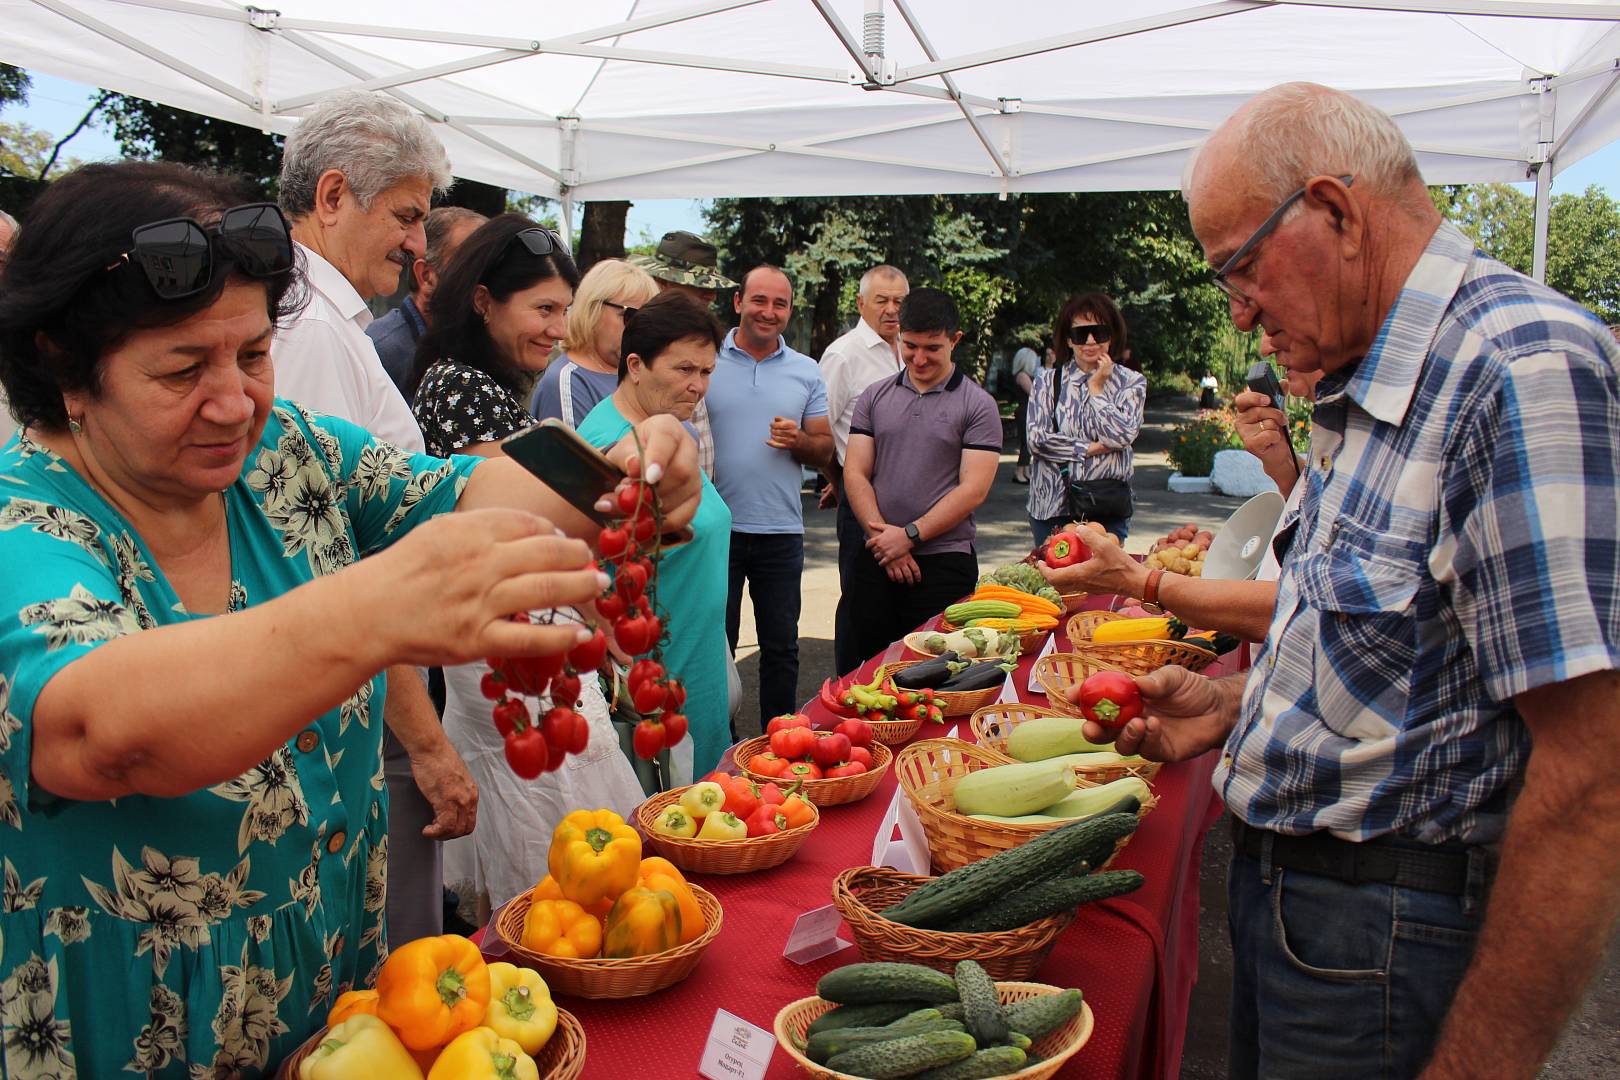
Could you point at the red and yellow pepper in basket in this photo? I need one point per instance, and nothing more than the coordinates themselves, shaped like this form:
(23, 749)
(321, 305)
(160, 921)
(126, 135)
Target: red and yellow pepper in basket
(362, 1045)
(548, 889)
(432, 989)
(352, 1003)
(562, 928)
(594, 856)
(642, 922)
(481, 1054)
(520, 1007)
(657, 873)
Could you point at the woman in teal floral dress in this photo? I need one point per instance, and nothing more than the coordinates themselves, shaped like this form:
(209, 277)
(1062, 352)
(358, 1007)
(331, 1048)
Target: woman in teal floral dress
(202, 584)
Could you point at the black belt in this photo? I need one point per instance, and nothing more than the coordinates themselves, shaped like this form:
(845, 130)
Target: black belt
(1386, 860)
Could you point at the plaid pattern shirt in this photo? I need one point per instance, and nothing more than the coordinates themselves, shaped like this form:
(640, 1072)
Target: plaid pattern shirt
(1459, 544)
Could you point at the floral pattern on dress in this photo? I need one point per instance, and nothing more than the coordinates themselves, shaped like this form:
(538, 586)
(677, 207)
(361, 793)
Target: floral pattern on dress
(36, 1043)
(163, 1039)
(458, 406)
(79, 618)
(57, 521)
(249, 1017)
(14, 895)
(173, 898)
(275, 799)
(132, 569)
(70, 924)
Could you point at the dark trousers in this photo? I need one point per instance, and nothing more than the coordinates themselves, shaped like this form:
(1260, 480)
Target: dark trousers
(877, 611)
(772, 564)
(851, 543)
(1020, 417)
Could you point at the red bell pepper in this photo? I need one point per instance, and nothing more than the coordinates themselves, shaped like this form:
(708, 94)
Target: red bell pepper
(770, 794)
(803, 770)
(1065, 549)
(767, 820)
(792, 742)
(862, 755)
(786, 720)
(1110, 698)
(858, 732)
(768, 764)
(797, 811)
(849, 768)
(831, 749)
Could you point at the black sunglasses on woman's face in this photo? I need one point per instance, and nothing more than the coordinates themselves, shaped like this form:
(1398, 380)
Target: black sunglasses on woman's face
(1079, 335)
(178, 254)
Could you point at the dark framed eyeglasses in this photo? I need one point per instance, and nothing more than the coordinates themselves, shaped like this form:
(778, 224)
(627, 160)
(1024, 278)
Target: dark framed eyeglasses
(1266, 228)
(538, 242)
(178, 254)
(1079, 335)
(625, 310)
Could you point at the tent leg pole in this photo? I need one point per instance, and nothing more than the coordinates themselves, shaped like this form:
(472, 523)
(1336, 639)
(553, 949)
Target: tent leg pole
(1543, 209)
(568, 219)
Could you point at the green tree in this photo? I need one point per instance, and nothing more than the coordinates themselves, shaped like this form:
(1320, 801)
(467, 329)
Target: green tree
(14, 84)
(146, 129)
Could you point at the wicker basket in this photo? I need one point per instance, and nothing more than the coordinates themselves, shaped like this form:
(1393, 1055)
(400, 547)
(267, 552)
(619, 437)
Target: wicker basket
(718, 856)
(1055, 1049)
(562, 1058)
(1134, 657)
(915, 651)
(928, 773)
(1028, 644)
(861, 892)
(602, 977)
(843, 789)
(1073, 601)
(992, 724)
(955, 703)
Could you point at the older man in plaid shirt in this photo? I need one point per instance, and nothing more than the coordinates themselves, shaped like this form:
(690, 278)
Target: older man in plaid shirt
(1424, 763)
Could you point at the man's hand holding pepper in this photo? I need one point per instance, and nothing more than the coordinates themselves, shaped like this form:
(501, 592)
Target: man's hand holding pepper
(1183, 715)
(1109, 570)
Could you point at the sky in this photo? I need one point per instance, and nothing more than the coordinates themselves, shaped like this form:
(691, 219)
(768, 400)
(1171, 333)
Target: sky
(55, 105)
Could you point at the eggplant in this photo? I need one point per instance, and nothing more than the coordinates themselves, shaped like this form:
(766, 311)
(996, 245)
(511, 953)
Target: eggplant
(928, 673)
(974, 677)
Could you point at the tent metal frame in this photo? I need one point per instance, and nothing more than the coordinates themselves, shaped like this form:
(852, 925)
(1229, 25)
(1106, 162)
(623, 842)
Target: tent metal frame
(871, 71)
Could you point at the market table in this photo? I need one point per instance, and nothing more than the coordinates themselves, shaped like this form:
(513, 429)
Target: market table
(1135, 956)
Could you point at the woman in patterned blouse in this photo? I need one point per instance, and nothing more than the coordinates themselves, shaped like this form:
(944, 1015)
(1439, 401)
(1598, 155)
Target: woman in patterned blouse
(497, 312)
(203, 584)
(1084, 413)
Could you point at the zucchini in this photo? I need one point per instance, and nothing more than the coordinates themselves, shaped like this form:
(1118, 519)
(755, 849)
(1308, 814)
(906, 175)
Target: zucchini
(981, 1004)
(873, 1015)
(1079, 806)
(1040, 900)
(865, 984)
(972, 886)
(1043, 1014)
(1013, 789)
(959, 614)
(996, 1061)
(904, 1057)
(826, 1044)
(1050, 736)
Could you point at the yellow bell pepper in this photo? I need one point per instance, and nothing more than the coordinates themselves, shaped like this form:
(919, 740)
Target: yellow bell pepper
(594, 856)
(432, 989)
(481, 1054)
(520, 1006)
(352, 1003)
(562, 928)
(660, 873)
(362, 1045)
(548, 889)
(642, 922)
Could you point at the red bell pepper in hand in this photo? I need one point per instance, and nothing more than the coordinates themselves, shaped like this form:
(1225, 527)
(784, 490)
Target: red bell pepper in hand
(767, 820)
(1110, 698)
(1065, 549)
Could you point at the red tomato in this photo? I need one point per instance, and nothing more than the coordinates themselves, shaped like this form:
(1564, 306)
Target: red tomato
(492, 685)
(632, 579)
(526, 753)
(509, 715)
(1110, 698)
(674, 728)
(648, 739)
(649, 697)
(793, 743)
(611, 606)
(565, 689)
(636, 634)
(677, 695)
(644, 671)
(588, 655)
(613, 543)
(829, 750)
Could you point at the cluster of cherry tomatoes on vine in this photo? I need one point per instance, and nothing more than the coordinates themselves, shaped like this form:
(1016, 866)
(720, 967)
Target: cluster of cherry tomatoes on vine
(630, 607)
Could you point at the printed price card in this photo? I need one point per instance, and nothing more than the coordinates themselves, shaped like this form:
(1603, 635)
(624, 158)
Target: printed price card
(736, 1050)
(815, 934)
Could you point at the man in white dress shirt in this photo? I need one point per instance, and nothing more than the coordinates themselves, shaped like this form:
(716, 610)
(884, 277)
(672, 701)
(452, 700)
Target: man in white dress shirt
(868, 353)
(357, 177)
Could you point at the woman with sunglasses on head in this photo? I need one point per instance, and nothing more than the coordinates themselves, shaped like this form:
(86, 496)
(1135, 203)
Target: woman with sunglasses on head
(1084, 413)
(587, 370)
(499, 308)
(203, 586)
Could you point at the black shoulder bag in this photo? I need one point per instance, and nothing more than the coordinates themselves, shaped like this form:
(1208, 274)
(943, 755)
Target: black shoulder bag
(1090, 500)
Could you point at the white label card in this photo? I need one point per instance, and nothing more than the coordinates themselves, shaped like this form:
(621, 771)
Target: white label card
(814, 935)
(736, 1050)
(1050, 647)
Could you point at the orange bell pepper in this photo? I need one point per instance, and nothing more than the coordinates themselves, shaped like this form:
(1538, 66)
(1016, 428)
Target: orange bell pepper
(642, 922)
(658, 873)
(594, 856)
(797, 811)
(352, 1003)
(548, 889)
(432, 989)
(562, 928)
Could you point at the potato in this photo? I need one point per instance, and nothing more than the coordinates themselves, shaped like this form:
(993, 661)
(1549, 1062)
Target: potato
(1204, 535)
(1196, 571)
(1191, 551)
(1203, 545)
(1094, 526)
(1152, 562)
(1181, 565)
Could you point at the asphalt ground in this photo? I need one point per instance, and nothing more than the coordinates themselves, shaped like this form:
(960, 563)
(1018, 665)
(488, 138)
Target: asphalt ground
(1590, 1046)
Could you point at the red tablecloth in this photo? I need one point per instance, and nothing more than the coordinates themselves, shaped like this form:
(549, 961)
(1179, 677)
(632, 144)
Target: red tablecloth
(1136, 957)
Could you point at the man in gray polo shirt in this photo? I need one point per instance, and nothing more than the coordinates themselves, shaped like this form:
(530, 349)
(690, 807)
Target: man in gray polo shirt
(922, 453)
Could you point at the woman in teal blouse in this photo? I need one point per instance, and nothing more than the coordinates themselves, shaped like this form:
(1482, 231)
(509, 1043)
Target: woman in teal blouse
(667, 355)
(203, 583)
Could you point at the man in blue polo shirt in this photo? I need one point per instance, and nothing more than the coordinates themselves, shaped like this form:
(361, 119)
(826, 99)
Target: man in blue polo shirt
(922, 453)
(768, 411)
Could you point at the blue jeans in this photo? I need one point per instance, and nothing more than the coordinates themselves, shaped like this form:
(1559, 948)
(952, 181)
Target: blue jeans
(1332, 979)
(773, 565)
(1041, 528)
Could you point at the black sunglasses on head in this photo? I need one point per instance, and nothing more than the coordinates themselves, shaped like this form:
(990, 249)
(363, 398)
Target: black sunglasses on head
(538, 242)
(177, 254)
(1079, 335)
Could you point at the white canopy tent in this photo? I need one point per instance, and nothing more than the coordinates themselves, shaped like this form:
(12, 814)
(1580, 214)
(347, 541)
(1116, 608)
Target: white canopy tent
(608, 99)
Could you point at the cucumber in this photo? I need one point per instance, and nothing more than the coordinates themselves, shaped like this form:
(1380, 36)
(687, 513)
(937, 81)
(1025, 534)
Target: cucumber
(1019, 1039)
(1043, 1014)
(1100, 844)
(826, 1044)
(1050, 736)
(981, 1003)
(980, 883)
(952, 1010)
(866, 984)
(1042, 899)
(996, 1061)
(874, 1015)
(1078, 806)
(904, 1057)
(1012, 789)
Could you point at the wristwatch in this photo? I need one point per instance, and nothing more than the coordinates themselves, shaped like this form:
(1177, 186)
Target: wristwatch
(914, 533)
(1150, 592)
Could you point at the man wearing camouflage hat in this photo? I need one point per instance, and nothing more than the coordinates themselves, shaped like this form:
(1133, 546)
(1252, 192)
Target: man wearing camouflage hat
(686, 263)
